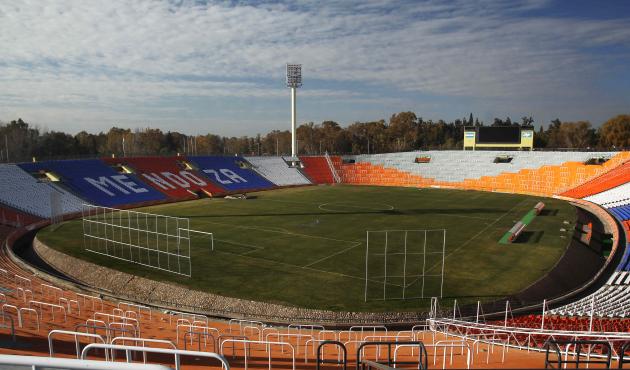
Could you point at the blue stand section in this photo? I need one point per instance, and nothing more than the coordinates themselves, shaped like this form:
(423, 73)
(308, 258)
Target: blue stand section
(98, 183)
(228, 173)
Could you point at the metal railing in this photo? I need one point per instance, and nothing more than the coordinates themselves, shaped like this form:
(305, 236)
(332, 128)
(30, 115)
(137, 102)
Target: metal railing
(561, 359)
(41, 363)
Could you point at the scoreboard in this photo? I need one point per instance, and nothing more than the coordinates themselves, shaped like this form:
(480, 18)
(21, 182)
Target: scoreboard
(499, 137)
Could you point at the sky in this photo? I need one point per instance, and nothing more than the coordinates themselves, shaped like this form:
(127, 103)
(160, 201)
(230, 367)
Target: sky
(219, 66)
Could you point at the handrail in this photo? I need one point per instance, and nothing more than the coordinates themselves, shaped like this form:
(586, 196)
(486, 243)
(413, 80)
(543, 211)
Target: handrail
(267, 345)
(177, 353)
(319, 360)
(622, 357)
(422, 353)
(367, 364)
(578, 345)
(76, 335)
(39, 363)
(5, 316)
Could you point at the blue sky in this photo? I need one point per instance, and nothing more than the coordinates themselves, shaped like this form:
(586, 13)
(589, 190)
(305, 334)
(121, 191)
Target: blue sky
(205, 66)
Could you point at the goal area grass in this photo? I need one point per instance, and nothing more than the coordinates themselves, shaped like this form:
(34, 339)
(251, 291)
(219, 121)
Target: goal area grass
(306, 246)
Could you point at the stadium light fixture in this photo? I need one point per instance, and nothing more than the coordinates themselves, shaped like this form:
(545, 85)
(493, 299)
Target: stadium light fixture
(294, 81)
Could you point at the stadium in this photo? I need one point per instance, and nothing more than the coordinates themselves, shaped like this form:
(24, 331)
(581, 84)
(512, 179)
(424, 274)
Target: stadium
(472, 258)
(408, 243)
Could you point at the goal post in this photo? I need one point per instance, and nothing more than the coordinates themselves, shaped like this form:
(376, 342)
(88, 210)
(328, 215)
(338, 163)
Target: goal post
(202, 234)
(404, 264)
(156, 241)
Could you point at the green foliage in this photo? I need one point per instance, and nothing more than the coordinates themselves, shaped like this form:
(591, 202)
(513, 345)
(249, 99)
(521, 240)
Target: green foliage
(403, 132)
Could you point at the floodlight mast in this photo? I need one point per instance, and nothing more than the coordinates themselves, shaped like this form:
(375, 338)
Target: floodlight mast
(294, 80)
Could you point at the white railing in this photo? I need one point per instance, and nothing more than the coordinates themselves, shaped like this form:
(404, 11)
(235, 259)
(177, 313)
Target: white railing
(522, 338)
(332, 169)
(40, 363)
(176, 353)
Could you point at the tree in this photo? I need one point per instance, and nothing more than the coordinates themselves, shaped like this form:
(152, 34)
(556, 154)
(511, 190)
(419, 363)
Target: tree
(527, 121)
(615, 133)
(402, 130)
(570, 135)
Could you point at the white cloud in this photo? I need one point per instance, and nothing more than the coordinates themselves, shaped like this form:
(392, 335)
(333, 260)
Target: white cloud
(105, 54)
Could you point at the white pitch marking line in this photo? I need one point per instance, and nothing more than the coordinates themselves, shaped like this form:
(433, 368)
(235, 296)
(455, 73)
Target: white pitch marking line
(334, 254)
(341, 204)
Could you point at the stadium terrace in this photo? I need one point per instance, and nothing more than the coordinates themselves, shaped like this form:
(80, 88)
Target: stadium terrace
(423, 259)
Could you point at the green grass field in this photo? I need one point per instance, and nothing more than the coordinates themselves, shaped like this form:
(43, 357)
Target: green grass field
(306, 246)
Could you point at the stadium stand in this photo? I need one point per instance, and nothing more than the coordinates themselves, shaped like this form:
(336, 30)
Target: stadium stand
(11, 217)
(37, 307)
(169, 176)
(232, 173)
(609, 301)
(276, 170)
(96, 182)
(619, 176)
(23, 192)
(613, 197)
(541, 173)
(318, 170)
(579, 324)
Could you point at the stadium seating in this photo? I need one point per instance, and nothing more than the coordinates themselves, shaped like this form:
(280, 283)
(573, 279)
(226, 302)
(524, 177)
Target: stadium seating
(542, 173)
(23, 192)
(234, 174)
(613, 197)
(611, 300)
(11, 217)
(168, 175)
(553, 322)
(317, 169)
(608, 180)
(98, 183)
(276, 170)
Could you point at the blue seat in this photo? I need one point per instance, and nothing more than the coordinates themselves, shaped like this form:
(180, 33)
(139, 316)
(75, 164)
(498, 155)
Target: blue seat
(231, 173)
(98, 183)
(621, 212)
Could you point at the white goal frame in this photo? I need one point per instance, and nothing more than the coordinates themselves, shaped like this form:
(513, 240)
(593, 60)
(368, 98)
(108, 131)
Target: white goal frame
(423, 254)
(133, 234)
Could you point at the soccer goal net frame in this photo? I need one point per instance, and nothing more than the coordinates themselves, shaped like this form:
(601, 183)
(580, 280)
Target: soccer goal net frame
(152, 240)
(423, 252)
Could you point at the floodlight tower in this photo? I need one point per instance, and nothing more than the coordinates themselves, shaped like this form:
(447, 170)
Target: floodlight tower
(294, 80)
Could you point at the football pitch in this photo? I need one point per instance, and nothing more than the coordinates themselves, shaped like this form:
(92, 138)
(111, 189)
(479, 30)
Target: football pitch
(306, 246)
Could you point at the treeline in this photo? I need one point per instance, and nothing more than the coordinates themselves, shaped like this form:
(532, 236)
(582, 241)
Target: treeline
(404, 131)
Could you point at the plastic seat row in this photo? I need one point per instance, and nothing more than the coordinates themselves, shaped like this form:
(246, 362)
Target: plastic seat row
(24, 193)
(317, 169)
(606, 181)
(98, 183)
(169, 175)
(277, 171)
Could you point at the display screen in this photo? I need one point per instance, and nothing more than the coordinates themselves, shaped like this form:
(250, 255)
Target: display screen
(498, 134)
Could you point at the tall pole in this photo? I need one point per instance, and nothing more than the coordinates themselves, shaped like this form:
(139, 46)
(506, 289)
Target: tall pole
(293, 124)
(294, 80)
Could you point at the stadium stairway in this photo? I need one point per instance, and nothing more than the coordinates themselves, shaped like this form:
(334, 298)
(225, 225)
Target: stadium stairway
(96, 182)
(168, 175)
(318, 170)
(276, 170)
(232, 173)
